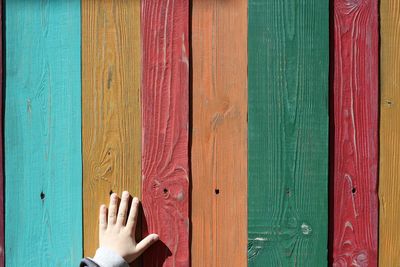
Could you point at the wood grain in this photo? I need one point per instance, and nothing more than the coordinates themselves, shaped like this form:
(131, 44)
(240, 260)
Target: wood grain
(165, 108)
(288, 132)
(1, 143)
(219, 133)
(111, 120)
(43, 196)
(355, 85)
(389, 184)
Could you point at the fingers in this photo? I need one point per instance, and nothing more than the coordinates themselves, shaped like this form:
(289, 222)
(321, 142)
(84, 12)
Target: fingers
(123, 209)
(146, 242)
(103, 218)
(112, 210)
(132, 219)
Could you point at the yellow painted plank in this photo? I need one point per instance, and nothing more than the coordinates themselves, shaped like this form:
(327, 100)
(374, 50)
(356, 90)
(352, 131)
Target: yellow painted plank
(111, 125)
(389, 182)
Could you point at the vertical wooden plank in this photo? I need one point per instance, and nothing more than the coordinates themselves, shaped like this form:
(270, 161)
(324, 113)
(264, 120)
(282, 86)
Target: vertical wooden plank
(43, 133)
(219, 133)
(165, 106)
(355, 85)
(1, 143)
(389, 184)
(288, 132)
(111, 118)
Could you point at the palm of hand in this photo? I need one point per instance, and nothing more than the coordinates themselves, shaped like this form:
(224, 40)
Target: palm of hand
(117, 228)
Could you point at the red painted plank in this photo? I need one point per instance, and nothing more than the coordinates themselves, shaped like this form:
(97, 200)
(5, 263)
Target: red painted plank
(355, 85)
(1, 148)
(165, 108)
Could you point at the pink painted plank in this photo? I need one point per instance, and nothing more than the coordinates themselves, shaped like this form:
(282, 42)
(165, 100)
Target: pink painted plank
(165, 108)
(355, 85)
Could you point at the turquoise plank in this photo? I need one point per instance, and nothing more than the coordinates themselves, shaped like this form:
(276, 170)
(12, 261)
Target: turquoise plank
(43, 133)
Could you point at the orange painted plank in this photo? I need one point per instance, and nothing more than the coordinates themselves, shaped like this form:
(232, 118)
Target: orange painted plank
(389, 183)
(219, 141)
(111, 123)
(165, 130)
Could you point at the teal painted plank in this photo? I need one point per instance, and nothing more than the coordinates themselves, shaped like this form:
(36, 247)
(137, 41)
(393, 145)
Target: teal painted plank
(43, 133)
(1, 146)
(288, 50)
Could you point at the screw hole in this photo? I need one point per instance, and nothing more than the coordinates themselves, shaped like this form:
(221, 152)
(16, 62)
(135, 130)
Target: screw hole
(111, 192)
(353, 190)
(216, 191)
(42, 195)
(165, 190)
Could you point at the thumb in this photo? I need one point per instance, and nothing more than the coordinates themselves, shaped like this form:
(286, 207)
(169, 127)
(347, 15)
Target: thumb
(146, 243)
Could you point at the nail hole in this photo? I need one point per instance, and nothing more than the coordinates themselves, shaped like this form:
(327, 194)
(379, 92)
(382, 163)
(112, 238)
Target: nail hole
(111, 192)
(216, 191)
(353, 190)
(42, 195)
(165, 190)
(288, 191)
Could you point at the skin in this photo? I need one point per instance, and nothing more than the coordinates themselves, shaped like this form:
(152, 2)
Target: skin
(117, 228)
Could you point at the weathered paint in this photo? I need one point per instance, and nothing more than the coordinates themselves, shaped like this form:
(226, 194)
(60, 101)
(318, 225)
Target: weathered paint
(288, 132)
(43, 133)
(389, 183)
(111, 116)
(165, 114)
(219, 133)
(355, 96)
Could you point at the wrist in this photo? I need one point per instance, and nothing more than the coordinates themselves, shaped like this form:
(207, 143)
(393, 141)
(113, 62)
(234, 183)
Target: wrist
(106, 257)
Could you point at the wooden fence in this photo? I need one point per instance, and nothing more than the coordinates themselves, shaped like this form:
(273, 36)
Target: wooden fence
(255, 132)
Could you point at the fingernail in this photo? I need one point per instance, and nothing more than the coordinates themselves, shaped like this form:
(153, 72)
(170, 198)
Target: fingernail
(125, 194)
(156, 237)
(135, 200)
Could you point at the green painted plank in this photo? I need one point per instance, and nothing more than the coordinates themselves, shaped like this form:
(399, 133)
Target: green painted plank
(43, 133)
(288, 50)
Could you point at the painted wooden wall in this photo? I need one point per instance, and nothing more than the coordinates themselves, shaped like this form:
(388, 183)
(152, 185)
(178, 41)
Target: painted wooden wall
(219, 133)
(389, 185)
(243, 104)
(355, 96)
(111, 112)
(288, 132)
(165, 130)
(43, 192)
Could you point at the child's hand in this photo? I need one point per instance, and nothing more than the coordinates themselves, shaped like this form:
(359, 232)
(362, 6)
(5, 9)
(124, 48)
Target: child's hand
(117, 230)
